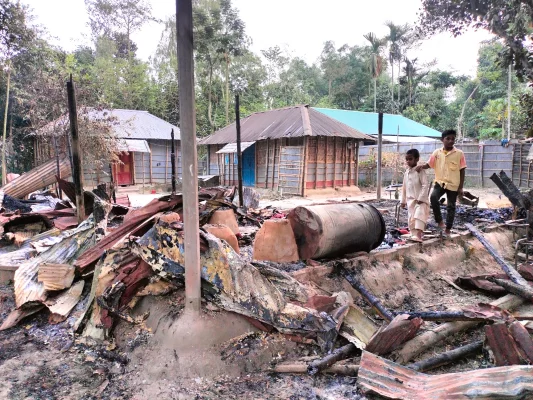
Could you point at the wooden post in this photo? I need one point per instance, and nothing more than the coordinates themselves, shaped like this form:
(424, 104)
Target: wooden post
(520, 166)
(76, 161)
(334, 161)
(306, 159)
(326, 163)
(57, 166)
(380, 144)
(239, 152)
(142, 166)
(220, 174)
(208, 160)
(184, 29)
(150, 161)
(173, 161)
(274, 162)
(350, 163)
(267, 162)
(166, 161)
(316, 161)
(343, 160)
(69, 147)
(481, 166)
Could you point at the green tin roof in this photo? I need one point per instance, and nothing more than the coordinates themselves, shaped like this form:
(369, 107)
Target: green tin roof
(367, 122)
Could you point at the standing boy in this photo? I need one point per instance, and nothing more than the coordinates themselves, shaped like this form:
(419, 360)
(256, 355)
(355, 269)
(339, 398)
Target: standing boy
(415, 192)
(449, 164)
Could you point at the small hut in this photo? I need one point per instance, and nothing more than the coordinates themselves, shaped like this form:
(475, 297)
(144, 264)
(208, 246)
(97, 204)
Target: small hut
(294, 150)
(143, 147)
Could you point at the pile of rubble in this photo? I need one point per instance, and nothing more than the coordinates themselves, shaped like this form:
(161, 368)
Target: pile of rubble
(282, 271)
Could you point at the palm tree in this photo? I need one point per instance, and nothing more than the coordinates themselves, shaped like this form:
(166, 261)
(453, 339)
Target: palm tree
(399, 35)
(376, 60)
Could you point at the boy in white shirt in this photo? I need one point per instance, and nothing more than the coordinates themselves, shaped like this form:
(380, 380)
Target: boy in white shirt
(415, 195)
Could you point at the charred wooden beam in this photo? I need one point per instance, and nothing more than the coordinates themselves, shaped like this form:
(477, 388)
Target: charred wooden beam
(369, 297)
(447, 357)
(323, 363)
(77, 172)
(525, 292)
(430, 338)
(509, 269)
(301, 368)
(510, 191)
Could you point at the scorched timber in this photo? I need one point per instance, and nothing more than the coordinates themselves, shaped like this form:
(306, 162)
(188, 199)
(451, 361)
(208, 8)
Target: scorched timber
(369, 297)
(232, 283)
(339, 354)
(509, 270)
(448, 357)
(131, 222)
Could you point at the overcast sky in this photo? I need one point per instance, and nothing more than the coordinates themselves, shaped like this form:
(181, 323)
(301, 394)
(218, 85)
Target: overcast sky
(301, 26)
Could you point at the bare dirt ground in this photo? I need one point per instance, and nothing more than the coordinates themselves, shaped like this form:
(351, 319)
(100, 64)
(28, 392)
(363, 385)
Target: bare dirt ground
(222, 356)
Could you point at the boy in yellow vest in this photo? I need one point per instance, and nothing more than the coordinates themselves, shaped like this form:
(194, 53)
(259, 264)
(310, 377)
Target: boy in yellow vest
(450, 166)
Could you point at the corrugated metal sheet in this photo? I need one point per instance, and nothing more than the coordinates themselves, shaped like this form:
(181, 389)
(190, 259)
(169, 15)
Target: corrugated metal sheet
(133, 145)
(285, 123)
(367, 122)
(132, 124)
(232, 147)
(38, 178)
(393, 381)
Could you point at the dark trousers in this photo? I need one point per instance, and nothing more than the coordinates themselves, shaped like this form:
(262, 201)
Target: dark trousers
(451, 197)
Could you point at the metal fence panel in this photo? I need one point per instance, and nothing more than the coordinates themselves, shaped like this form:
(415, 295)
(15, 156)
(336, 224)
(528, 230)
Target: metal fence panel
(290, 169)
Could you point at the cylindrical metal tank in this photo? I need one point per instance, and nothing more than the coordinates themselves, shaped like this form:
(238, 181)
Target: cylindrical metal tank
(336, 229)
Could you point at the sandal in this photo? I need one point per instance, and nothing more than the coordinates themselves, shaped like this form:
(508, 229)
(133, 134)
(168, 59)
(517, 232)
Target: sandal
(415, 239)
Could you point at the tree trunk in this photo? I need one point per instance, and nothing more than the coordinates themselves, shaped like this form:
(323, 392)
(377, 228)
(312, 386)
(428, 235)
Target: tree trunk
(226, 56)
(460, 121)
(375, 93)
(4, 150)
(209, 105)
(392, 80)
(399, 86)
(509, 92)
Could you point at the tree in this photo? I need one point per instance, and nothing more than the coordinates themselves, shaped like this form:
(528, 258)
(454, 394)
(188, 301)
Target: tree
(15, 35)
(219, 37)
(375, 60)
(508, 19)
(118, 19)
(398, 36)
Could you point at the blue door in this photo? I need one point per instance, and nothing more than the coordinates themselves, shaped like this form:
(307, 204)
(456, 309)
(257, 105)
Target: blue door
(248, 166)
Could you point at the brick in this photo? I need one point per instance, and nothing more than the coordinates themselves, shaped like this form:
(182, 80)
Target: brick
(275, 242)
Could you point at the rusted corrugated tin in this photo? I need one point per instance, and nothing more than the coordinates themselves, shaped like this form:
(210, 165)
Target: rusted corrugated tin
(38, 178)
(394, 381)
(296, 121)
(62, 249)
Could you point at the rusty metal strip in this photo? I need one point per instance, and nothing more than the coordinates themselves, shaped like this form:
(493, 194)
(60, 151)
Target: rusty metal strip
(393, 381)
(502, 345)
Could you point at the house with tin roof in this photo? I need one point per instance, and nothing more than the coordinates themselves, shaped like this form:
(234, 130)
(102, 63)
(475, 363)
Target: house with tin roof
(144, 147)
(396, 128)
(294, 150)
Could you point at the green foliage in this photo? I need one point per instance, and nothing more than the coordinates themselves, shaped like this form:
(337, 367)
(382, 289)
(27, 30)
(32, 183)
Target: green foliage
(511, 20)
(380, 75)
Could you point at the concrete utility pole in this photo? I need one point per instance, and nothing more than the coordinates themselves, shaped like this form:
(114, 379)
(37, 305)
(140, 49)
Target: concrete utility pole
(76, 161)
(184, 28)
(380, 141)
